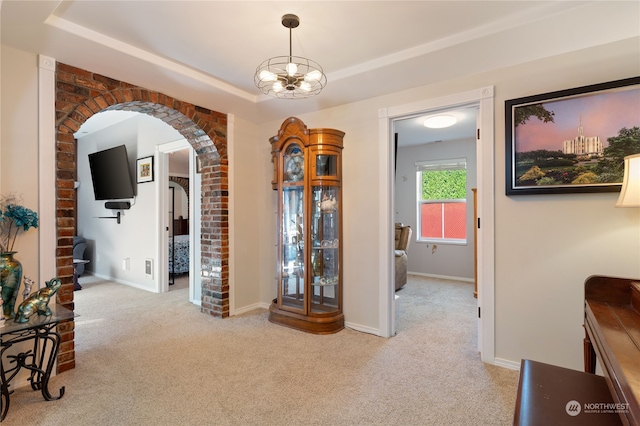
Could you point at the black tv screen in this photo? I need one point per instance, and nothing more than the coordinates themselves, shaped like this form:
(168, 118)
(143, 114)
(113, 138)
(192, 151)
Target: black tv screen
(111, 174)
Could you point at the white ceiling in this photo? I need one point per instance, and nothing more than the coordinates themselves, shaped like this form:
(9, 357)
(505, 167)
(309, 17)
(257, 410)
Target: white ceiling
(206, 52)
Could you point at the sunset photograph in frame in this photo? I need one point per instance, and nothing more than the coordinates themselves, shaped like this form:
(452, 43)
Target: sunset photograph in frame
(572, 140)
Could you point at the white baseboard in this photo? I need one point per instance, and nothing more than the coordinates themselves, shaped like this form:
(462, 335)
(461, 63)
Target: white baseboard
(244, 309)
(444, 277)
(511, 365)
(362, 328)
(120, 281)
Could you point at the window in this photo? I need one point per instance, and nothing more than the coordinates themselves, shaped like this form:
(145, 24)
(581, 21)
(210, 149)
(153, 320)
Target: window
(442, 201)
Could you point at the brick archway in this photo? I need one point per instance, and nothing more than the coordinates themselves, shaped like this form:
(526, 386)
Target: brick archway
(79, 95)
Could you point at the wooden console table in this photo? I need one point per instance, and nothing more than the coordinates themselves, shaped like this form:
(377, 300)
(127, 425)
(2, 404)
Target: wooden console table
(39, 359)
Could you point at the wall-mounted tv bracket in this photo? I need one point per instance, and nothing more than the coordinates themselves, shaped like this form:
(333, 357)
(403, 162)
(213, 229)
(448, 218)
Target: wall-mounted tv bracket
(116, 217)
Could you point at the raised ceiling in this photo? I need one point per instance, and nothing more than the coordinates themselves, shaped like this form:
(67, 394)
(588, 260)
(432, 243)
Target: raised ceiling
(206, 51)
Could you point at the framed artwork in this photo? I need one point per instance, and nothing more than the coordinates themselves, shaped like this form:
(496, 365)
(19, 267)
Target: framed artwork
(572, 140)
(144, 169)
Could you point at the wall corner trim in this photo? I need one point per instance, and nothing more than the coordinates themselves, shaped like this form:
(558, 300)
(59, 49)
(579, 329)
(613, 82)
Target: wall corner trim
(46, 62)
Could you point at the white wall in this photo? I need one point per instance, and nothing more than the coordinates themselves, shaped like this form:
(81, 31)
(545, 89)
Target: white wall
(19, 148)
(19, 158)
(547, 245)
(135, 238)
(249, 213)
(448, 260)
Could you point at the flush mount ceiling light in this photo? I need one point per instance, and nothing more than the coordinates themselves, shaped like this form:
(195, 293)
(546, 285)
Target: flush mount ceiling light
(440, 121)
(290, 77)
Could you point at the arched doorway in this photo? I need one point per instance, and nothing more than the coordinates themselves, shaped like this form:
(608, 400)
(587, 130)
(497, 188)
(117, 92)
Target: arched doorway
(79, 95)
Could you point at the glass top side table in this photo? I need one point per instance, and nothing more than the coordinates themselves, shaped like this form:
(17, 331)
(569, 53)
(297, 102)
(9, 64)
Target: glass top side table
(39, 359)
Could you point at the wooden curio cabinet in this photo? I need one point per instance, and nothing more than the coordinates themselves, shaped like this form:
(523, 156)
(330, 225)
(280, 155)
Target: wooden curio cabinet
(307, 175)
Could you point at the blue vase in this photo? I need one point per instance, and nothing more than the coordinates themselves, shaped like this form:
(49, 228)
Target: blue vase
(10, 279)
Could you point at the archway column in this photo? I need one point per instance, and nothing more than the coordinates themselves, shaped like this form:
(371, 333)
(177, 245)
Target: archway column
(79, 95)
(46, 167)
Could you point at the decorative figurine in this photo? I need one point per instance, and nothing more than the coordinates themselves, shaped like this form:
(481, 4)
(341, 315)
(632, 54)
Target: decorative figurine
(38, 301)
(328, 280)
(28, 285)
(328, 204)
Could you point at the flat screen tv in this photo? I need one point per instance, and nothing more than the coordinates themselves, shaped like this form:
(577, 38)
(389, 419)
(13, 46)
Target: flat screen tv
(111, 174)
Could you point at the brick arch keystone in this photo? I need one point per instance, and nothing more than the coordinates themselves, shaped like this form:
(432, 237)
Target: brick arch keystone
(79, 95)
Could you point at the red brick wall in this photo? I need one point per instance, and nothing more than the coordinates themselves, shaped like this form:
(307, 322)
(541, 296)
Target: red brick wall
(79, 95)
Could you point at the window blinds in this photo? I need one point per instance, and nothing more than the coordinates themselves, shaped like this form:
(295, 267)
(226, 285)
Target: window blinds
(449, 164)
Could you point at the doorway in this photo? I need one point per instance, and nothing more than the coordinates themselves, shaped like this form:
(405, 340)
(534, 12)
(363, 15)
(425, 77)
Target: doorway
(136, 234)
(435, 172)
(179, 219)
(441, 216)
(62, 110)
(177, 163)
(484, 99)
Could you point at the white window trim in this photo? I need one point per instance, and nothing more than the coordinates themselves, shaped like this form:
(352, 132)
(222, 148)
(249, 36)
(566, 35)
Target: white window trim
(447, 164)
(432, 165)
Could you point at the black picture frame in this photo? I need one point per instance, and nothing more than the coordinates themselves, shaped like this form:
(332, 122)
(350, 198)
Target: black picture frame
(144, 169)
(579, 165)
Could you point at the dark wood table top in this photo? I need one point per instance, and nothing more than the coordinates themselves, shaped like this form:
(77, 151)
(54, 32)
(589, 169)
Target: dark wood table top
(612, 321)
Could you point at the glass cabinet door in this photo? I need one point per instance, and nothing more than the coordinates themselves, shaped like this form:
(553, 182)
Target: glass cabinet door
(325, 253)
(326, 165)
(292, 228)
(292, 263)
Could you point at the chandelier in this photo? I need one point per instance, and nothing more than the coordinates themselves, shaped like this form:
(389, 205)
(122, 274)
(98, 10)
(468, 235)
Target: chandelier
(290, 77)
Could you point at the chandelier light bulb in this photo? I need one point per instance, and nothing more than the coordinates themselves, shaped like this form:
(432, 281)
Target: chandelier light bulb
(314, 75)
(305, 86)
(266, 75)
(292, 69)
(289, 77)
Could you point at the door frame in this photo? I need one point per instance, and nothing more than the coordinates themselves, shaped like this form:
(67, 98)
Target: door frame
(162, 268)
(484, 98)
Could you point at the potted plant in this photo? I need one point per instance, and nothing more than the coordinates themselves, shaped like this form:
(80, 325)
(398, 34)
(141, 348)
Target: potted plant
(14, 220)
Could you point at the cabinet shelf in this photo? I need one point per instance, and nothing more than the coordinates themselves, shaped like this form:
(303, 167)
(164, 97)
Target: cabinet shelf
(319, 284)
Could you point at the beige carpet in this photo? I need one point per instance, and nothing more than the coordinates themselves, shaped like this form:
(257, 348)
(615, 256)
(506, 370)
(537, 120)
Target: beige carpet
(179, 282)
(154, 359)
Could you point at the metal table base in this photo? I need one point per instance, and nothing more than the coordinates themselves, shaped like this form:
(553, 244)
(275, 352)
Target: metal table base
(39, 358)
